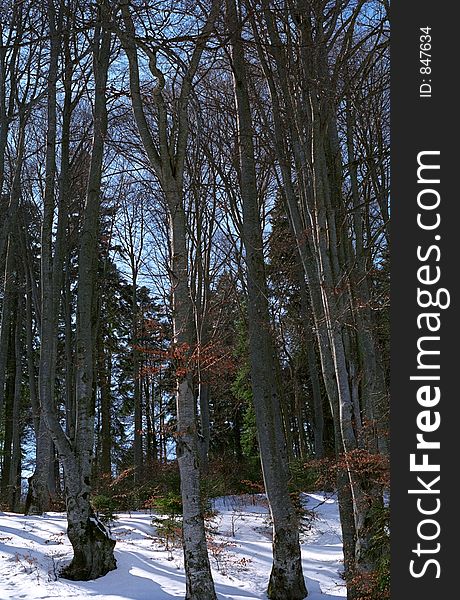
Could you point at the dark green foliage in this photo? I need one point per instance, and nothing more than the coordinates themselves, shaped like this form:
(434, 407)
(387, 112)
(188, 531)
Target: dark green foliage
(226, 477)
(249, 434)
(305, 476)
(168, 524)
(241, 389)
(170, 504)
(105, 508)
(169, 530)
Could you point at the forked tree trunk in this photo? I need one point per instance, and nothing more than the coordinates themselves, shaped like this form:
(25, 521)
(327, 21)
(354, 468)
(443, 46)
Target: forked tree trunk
(137, 384)
(92, 545)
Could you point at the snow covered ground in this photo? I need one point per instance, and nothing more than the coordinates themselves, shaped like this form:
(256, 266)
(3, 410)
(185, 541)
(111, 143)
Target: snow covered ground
(33, 549)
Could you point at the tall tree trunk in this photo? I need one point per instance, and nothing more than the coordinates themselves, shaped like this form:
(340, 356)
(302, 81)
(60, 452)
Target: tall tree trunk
(40, 493)
(169, 168)
(152, 443)
(7, 309)
(69, 354)
(10, 217)
(14, 492)
(7, 242)
(64, 246)
(31, 369)
(105, 376)
(12, 32)
(318, 411)
(92, 545)
(286, 578)
(200, 295)
(137, 384)
(6, 475)
(299, 415)
(199, 583)
(205, 422)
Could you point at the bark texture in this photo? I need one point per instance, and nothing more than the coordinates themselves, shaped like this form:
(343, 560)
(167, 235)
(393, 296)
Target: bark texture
(286, 577)
(92, 545)
(169, 169)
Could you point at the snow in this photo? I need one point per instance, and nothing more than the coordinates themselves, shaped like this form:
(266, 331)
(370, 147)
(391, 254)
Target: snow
(34, 549)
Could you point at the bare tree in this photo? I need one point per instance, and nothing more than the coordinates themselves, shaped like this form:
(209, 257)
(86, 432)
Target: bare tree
(286, 579)
(167, 158)
(131, 238)
(305, 106)
(92, 545)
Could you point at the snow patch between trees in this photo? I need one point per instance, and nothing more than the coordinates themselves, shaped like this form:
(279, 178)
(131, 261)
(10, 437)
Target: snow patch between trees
(34, 548)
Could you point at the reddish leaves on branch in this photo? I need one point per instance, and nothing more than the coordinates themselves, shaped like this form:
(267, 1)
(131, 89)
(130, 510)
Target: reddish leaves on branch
(212, 360)
(370, 586)
(373, 468)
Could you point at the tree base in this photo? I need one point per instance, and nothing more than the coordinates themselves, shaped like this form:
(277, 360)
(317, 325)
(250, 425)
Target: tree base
(38, 499)
(286, 578)
(93, 552)
(280, 589)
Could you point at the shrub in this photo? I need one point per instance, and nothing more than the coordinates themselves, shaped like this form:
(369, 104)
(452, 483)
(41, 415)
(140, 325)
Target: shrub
(227, 477)
(306, 476)
(370, 586)
(105, 508)
(170, 504)
(169, 531)
(169, 525)
(375, 585)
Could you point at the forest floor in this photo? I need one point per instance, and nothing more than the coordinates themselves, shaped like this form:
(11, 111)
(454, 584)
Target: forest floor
(34, 549)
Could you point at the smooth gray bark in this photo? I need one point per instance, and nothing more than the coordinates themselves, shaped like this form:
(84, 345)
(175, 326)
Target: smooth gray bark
(8, 241)
(167, 161)
(92, 545)
(7, 309)
(40, 494)
(14, 492)
(286, 578)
